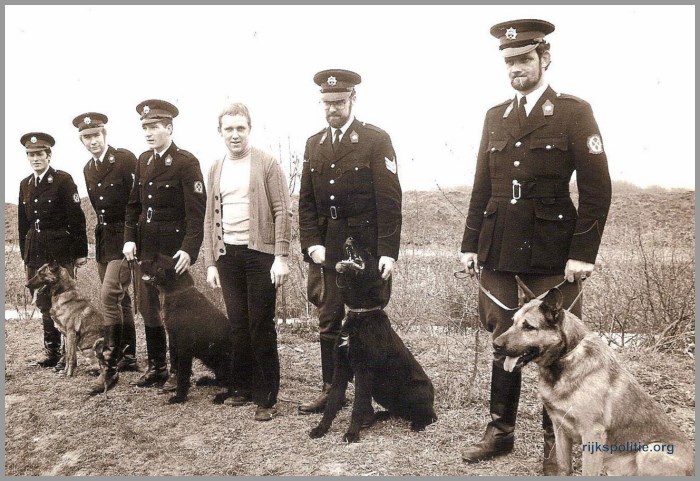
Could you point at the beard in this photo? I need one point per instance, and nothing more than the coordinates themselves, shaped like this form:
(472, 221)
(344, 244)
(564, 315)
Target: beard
(526, 83)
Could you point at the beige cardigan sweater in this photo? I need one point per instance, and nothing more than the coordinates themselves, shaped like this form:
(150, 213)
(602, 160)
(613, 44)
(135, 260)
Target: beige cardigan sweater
(270, 217)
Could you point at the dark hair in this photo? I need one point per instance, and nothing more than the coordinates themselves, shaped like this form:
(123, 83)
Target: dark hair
(236, 108)
(541, 49)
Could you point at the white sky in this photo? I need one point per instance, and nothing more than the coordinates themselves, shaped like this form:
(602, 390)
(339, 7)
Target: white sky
(429, 73)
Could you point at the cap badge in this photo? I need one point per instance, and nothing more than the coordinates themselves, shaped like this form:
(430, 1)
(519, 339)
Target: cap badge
(511, 33)
(49, 179)
(87, 120)
(33, 140)
(146, 109)
(332, 81)
(354, 138)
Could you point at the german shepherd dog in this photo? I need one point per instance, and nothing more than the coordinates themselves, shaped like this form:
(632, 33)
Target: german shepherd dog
(73, 314)
(196, 328)
(590, 397)
(369, 348)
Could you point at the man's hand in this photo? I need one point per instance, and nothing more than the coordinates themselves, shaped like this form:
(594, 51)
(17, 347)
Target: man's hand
(129, 251)
(279, 271)
(213, 277)
(318, 254)
(469, 261)
(386, 266)
(80, 262)
(183, 262)
(575, 270)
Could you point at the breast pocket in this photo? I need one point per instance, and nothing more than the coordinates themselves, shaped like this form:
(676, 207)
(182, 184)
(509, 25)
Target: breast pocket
(550, 154)
(114, 192)
(555, 221)
(356, 173)
(48, 204)
(168, 193)
(498, 163)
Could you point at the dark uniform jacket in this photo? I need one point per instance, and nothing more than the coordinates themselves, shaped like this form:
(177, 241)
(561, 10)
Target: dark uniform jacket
(50, 221)
(109, 185)
(352, 192)
(521, 217)
(167, 204)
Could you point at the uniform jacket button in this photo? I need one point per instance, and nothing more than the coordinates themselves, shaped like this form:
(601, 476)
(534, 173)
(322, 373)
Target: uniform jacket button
(150, 183)
(561, 216)
(332, 197)
(518, 143)
(516, 163)
(332, 181)
(548, 147)
(513, 201)
(332, 166)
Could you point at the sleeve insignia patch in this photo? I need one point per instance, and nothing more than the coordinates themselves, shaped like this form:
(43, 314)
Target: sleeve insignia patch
(390, 165)
(198, 187)
(595, 144)
(76, 198)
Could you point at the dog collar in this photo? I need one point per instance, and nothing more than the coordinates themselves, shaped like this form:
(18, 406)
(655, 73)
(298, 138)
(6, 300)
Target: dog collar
(365, 309)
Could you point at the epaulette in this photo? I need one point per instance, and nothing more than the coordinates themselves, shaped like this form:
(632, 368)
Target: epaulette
(569, 97)
(62, 172)
(186, 153)
(373, 127)
(123, 151)
(505, 102)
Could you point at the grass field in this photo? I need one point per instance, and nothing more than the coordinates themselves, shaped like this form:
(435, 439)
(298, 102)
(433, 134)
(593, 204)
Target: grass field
(644, 286)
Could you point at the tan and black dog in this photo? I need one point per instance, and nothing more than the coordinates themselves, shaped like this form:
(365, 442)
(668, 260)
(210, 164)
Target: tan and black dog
(73, 314)
(590, 397)
(369, 348)
(196, 328)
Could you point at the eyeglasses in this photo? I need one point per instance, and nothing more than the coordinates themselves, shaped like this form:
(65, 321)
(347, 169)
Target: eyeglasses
(338, 104)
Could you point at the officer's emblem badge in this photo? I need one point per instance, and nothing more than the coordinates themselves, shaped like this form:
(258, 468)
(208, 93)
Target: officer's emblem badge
(354, 138)
(146, 109)
(76, 198)
(548, 108)
(332, 81)
(595, 144)
(390, 165)
(33, 140)
(49, 179)
(87, 120)
(198, 187)
(168, 161)
(111, 158)
(511, 33)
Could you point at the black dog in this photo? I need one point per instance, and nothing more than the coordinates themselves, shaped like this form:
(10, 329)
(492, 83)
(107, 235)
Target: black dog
(367, 346)
(196, 328)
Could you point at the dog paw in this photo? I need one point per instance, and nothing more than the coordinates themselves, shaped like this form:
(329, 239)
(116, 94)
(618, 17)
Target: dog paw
(177, 399)
(317, 432)
(418, 426)
(351, 437)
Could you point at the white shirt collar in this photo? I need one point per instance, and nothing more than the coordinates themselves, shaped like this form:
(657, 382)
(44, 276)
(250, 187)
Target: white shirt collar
(165, 149)
(101, 158)
(533, 97)
(40, 177)
(344, 128)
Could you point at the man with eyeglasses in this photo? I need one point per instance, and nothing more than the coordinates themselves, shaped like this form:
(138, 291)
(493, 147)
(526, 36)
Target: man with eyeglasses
(349, 187)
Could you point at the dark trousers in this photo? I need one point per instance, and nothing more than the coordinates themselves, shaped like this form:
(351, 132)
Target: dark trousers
(250, 298)
(325, 294)
(148, 301)
(114, 294)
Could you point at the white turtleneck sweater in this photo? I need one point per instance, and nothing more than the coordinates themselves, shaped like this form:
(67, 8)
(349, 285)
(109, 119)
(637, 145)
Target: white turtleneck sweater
(235, 201)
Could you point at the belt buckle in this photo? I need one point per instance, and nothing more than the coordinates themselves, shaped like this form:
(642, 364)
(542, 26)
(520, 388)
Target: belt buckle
(517, 188)
(149, 214)
(101, 219)
(334, 212)
(36, 225)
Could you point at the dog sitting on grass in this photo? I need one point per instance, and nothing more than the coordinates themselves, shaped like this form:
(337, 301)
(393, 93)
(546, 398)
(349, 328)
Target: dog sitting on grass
(73, 314)
(369, 348)
(196, 328)
(590, 397)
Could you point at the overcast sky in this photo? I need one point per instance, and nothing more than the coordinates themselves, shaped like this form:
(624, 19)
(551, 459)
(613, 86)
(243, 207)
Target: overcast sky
(428, 76)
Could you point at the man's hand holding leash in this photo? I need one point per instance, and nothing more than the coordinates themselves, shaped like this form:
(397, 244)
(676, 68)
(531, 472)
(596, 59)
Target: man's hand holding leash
(576, 270)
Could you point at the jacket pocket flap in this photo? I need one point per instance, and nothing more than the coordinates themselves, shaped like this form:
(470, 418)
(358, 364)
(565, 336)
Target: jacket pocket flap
(491, 208)
(497, 145)
(362, 219)
(556, 212)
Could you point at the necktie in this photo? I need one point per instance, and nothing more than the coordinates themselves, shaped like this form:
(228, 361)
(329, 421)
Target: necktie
(336, 141)
(156, 157)
(36, 181)
(522, 115)
(97, 165)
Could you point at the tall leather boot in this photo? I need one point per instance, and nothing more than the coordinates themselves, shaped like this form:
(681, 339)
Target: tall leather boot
(156, 345)
(111, 347)
(549, 462)
(171, 384)
(127, 360)
(499, 437)
(327, 366)
(52, 344)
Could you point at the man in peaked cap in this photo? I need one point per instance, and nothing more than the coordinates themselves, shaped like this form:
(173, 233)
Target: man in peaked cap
(109, 177)
(51, 227)
(349, 187)
(165, 214)
(521, 218)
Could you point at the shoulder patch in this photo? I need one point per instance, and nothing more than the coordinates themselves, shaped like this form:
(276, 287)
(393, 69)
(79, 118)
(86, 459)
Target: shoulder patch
(187, 154)
(507, 101)
(198, 187)
(595, 144)
(76, 198)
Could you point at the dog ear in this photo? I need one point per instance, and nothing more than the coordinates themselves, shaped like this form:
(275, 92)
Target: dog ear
(525, 295)
(552, 305)
(54, 266)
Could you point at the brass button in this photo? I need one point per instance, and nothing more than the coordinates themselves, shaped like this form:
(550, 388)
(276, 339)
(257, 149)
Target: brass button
(515, 182)
(332, 166)
(518, 143)
(516, 163)
(332, 197)
(513, 201)
(548, 147)
(332, 181)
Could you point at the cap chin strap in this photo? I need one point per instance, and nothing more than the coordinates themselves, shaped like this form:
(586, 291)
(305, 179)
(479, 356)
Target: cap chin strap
(364, 309)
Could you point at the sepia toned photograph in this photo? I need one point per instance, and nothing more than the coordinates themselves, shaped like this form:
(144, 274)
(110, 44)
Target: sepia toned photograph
(349, 240)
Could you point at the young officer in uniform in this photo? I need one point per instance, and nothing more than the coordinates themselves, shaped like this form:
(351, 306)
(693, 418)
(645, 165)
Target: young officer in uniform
(109, 176)
(165, 215)
(521, 218)
(51, 227)
(349, 187)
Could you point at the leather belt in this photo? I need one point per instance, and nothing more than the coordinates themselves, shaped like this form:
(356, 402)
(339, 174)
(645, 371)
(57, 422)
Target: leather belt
(162, 215)
(533, 189)
(338, 212)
